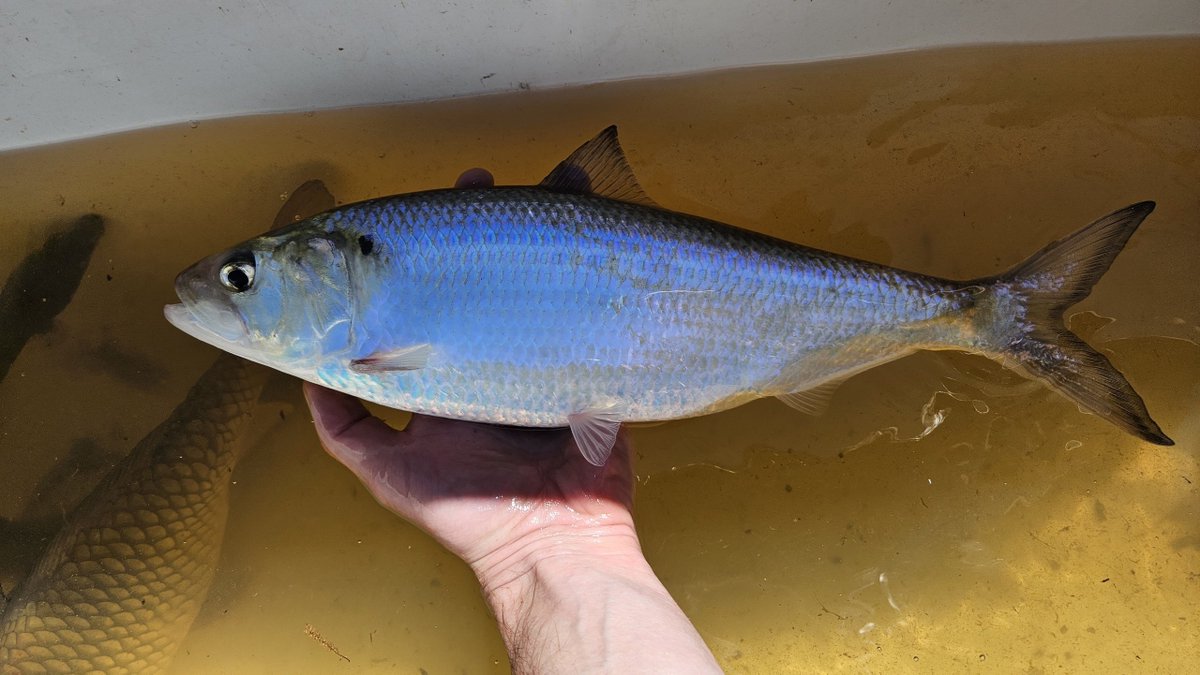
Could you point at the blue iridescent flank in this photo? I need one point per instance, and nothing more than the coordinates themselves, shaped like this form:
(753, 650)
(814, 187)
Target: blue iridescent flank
(539, 304)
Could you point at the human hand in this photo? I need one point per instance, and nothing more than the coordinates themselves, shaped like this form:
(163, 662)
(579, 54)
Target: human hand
(500, 498)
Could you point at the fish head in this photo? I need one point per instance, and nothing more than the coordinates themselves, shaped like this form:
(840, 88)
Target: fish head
(282, 300)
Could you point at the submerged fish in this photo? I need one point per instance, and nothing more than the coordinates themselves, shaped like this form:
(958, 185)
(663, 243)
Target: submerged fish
(578, 302)
(119, 586)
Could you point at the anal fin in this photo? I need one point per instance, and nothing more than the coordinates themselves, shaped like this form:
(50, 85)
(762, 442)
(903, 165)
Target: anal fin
(814, 400)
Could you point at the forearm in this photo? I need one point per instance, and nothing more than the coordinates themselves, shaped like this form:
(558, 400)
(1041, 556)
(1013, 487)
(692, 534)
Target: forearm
(591, 606)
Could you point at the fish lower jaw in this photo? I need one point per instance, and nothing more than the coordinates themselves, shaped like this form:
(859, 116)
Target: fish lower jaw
(175, 313)
(186, 320)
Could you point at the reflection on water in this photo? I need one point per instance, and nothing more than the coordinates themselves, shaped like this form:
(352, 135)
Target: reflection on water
(942, 514)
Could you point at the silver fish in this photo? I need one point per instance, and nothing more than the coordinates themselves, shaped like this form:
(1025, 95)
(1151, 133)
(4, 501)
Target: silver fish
(578, 302)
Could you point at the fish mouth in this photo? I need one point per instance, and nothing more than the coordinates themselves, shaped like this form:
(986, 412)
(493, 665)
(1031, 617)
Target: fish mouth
(210, 319)
(218, 326)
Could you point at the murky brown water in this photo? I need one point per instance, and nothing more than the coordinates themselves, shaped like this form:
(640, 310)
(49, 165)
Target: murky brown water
(943, 515)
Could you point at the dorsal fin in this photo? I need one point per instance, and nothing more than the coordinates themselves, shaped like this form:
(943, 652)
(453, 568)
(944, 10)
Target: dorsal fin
(307, 200)
(598, 167)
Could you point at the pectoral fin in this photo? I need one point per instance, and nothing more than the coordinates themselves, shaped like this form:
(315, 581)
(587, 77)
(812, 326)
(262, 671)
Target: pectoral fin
(595, 433)
(413, 357)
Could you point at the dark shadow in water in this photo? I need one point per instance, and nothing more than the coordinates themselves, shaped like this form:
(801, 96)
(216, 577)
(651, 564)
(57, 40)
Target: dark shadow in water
(43, 284)
(24, 542)
(69, 480)
(133, 368)
(26, 539)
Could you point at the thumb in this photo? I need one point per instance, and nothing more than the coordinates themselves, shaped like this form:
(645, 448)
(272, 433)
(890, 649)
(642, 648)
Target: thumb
(350, 433)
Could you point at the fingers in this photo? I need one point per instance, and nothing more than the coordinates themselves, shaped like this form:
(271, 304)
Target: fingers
(475, 178)
(349, 433)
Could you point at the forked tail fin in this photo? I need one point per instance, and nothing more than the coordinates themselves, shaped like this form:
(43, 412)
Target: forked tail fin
(1021, 314)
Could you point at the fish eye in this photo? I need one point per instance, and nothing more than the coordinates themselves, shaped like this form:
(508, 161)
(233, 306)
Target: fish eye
(238, 274)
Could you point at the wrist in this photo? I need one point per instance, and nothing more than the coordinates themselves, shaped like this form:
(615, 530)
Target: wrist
(587, 601)
(548, 555)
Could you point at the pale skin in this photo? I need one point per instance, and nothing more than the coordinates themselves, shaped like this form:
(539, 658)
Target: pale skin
(550, 537)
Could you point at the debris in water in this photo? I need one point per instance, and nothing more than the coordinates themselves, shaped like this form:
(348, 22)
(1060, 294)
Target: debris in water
(312, 633)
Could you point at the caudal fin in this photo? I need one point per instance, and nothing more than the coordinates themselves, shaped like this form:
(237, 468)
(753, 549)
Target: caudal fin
(1023, 312)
